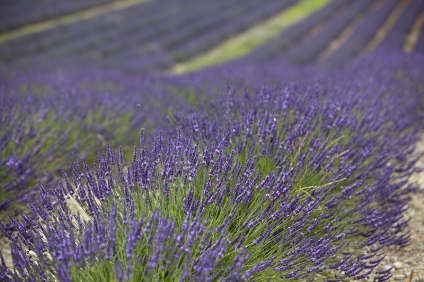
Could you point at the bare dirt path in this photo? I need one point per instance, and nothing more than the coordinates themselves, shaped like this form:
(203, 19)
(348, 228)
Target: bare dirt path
(408, 262)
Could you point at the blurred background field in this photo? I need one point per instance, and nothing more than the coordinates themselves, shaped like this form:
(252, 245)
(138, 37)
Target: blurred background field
(176, 36)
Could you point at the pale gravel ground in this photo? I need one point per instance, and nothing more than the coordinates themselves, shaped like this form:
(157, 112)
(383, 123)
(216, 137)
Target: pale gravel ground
(407, 263)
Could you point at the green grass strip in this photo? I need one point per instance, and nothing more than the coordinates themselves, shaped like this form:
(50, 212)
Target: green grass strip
(69, 18)
(247, 41)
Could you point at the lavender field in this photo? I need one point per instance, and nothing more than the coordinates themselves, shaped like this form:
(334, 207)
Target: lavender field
(238, 140)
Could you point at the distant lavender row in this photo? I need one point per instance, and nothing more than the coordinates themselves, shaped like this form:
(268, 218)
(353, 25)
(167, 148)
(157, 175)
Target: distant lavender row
(362, 35)
(396, 37)
(420, 44)
(293, 34)
(15, 14)
(307, 51)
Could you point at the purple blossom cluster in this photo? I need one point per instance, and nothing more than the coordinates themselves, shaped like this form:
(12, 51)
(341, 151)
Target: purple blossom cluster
(191, 253)
(277, 181)
(75, 242)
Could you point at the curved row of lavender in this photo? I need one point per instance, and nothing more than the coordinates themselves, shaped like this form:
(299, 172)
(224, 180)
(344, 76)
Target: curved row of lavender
(297, 178)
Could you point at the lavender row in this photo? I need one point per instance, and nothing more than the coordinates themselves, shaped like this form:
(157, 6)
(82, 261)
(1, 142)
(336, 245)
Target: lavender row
(362, 35)
(396, 37)
(280, 181)
(14, 14)
(294, 33)
(420, 44)
(307, 51)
